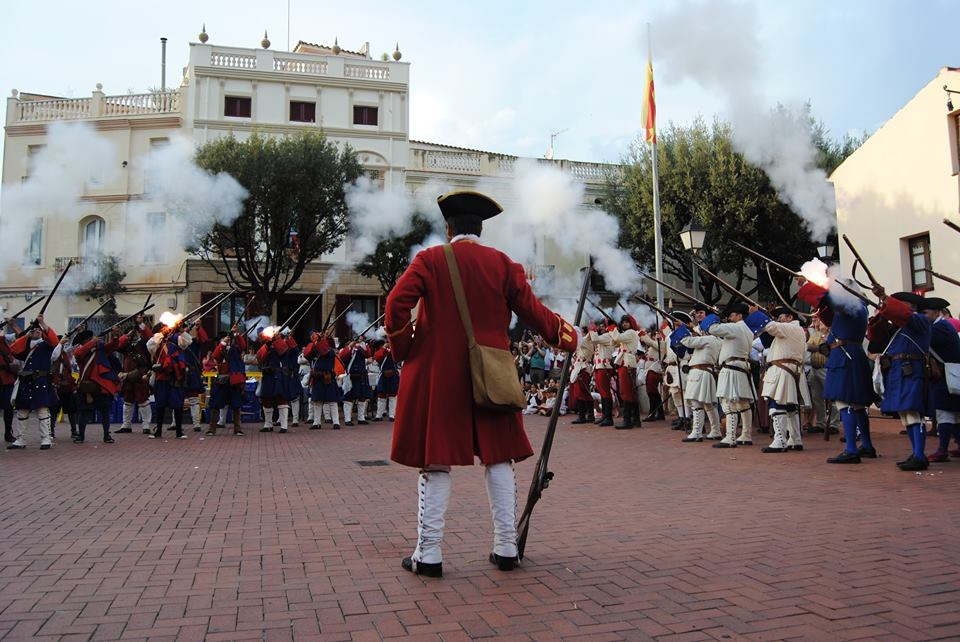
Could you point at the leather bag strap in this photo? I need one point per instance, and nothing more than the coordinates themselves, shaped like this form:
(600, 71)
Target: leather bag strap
(459, 294)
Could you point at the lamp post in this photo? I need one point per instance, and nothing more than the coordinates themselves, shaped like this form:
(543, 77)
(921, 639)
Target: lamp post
(693, 235)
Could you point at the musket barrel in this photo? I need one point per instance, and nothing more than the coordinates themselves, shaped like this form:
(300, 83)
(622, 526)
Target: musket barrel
(681, 293)
(56, 287)
(951, 224)
(942, 277)
(856, 255)
(729, 288)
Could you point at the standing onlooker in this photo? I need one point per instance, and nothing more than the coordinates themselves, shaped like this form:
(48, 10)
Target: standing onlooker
(817, 378)
(538, 366)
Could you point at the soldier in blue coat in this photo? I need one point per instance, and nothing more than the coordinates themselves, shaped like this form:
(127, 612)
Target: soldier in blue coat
(849, 381)
(354, 357)
(290, 377)
(193, 383)
(944, 348)
(325, 394)
(388, 385)
(36, 348)
(903, 364)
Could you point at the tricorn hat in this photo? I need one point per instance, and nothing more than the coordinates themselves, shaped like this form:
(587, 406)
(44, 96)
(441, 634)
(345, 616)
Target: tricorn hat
(908, 297)
(933, 303)
(782, 309)
(82, 337)
(736, 306)
(468, 203)
(682, 317)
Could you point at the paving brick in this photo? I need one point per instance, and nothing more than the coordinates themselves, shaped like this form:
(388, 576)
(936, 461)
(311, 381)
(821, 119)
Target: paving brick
(284, 537)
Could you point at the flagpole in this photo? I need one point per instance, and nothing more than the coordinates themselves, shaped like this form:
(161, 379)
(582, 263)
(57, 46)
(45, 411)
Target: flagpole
(657, 237)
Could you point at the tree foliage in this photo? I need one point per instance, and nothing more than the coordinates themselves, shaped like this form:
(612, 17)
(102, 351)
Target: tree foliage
(703, 176)
(295, 211)
(105, 282)
(392, 255)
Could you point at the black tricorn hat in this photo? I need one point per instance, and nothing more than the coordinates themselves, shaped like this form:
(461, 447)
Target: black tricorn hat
(682, 317)
(736, 306)
(468, 203)
(782, 309)
(908, 297)
(700, 307)
(933, 303)
(82, 337)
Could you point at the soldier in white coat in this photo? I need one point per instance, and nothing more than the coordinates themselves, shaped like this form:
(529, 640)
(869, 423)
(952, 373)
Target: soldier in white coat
(734, 385)
(579, 398)
(784, 385)
(603, 370)
(653, 372)
(627, 340)
(700, 390)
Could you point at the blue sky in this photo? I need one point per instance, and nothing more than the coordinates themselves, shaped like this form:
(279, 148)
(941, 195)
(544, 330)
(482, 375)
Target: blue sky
(502, 75)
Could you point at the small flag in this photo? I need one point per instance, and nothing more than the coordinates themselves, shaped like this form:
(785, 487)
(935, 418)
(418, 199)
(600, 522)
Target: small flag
(650, 107)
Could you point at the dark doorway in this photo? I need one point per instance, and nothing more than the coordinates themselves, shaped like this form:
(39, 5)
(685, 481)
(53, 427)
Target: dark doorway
(369, 305)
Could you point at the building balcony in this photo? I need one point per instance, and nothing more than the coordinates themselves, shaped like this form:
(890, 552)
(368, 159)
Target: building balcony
(445, 159)
(256, 61)
(23, 109)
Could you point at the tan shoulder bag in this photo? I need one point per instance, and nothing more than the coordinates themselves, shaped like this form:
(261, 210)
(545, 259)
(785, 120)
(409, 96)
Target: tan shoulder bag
(493, 371)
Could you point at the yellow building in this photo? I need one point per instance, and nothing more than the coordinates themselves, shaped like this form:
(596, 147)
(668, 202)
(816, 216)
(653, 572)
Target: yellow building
(895, 190)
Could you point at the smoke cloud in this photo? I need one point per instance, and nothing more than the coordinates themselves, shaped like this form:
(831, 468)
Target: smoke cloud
(74, 159)
(720, 51)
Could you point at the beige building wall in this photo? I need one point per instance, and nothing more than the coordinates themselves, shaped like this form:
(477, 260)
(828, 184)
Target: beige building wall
(272, 79)
(901, 184)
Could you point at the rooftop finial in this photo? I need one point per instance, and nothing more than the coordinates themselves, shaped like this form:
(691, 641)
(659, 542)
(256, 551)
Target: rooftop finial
(265, 43)
(203, 37)
(396, 52)
(336, 47)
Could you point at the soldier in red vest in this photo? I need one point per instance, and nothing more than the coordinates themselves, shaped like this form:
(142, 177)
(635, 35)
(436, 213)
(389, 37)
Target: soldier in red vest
(36, 348)
(9, 367)
(135, 377)
(230, 384)
(437, 423)
(98, 383)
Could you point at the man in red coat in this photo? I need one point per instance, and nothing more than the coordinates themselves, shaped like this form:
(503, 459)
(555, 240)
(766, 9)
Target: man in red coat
(437, 423)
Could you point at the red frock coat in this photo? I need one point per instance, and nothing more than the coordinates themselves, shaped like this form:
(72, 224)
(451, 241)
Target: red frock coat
(437, 422)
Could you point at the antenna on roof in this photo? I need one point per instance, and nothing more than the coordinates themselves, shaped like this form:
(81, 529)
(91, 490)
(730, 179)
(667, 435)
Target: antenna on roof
(553, 137)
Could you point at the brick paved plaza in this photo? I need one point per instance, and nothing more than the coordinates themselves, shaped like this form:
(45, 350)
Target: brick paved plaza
(640, 537)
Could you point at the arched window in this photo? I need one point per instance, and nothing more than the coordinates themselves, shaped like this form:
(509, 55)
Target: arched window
(93, 237)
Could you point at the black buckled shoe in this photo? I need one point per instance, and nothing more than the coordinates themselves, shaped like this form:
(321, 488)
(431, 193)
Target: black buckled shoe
(420, 568)
(844, 458)
(724, 444)
(867, 453)
(692, 440)
(770, 449)
(912, 464)
(798, 448)
(504, 563)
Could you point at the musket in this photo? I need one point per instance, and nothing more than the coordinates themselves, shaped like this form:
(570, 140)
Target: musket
(205, 308)
(859, 259)
(369, 327)
(295, 312)
(342, 314)
(942, 277)
(124, 320)
(326, 322)
(726, 286)
(653, 306)
(951, 224)
(55, 287)
(88, 317)
(602, 311)
(303, 315)
(542, 476)
(680, 292)
(797, 274)
(19, 312)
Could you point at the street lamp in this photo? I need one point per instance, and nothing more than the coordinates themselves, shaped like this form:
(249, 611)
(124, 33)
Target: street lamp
(693, 235)
(825, 251)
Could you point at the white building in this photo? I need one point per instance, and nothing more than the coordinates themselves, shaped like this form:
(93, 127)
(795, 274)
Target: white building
(228, 90)
(895, 190)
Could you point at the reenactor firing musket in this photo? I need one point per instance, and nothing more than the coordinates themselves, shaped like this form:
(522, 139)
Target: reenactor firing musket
(369, 327)
(797, 274)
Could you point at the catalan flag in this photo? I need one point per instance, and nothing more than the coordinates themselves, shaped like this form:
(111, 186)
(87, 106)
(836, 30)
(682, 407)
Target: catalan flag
(650, 106)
